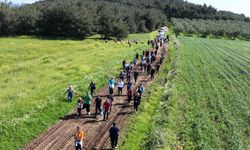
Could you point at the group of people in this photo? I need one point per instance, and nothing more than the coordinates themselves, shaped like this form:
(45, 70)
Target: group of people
(129, 71)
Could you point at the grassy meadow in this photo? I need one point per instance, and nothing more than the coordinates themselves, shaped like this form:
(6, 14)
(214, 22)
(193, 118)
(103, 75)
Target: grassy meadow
(205, 102)
(36, 72)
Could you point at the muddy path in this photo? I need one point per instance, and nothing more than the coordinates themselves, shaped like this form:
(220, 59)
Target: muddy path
(61, 135)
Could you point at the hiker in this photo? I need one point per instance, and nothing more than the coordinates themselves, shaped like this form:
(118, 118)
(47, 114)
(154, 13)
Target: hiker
(88, 103)
(120, 86)
(158, 67)
(161, 59)
(148, 68)
(137, 56)
(144, 63)
(123, 63)
(111, 85)
(106, 107)
(79, 136)
(140, 89)
(128, 74)
(70, 92)
(92, 87)
(98, 104)
(79, 106)
(137, 101)
(110, 99)
(129, 94)
(152, 73)
(114, 135)
(134, 61)
(136, 74)
(122, 75)
(129, 85)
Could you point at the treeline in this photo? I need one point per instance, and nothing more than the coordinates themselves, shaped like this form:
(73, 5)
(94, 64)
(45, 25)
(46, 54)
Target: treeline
(77, 18)
(110, 18)
(219, 28)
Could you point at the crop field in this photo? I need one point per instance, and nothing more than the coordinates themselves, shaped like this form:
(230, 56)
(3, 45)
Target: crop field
(36, 72)
(209, 107)
(205, 103)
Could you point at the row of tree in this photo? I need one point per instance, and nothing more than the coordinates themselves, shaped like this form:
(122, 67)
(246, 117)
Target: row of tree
(110, 18)
(76, 18)
(218, 28)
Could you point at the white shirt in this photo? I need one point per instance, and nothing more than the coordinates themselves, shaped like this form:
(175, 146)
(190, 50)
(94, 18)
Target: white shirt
(120, 84)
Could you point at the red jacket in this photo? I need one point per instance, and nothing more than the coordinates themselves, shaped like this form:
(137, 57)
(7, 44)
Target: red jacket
(129, 93)
(106, 106)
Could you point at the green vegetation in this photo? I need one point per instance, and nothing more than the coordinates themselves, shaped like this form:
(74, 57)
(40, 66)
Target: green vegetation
(209, 106)
(216, 28)
(35, 73)
(110, 18)
(205, 102)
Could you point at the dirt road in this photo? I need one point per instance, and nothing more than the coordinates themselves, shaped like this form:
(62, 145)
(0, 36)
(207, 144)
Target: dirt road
(61, 135)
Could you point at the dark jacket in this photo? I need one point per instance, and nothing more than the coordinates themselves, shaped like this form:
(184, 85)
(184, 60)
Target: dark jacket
(114, 132)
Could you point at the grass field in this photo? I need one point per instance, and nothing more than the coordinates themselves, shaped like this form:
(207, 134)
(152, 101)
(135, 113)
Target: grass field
(209, 105)
(36, 72)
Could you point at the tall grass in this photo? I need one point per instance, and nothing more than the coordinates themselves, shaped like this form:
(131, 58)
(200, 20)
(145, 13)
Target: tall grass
(35, 73)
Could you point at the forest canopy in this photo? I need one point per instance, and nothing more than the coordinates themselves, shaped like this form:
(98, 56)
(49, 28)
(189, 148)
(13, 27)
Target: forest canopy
(110, 18)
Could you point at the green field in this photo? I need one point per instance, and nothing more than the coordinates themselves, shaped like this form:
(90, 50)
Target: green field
(36, 72)
(209, 105)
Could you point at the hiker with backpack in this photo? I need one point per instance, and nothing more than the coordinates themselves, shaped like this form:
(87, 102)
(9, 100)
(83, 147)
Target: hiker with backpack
(92, 87)
(111, 84)
(114, 135)
(70, 92)
(79, 106)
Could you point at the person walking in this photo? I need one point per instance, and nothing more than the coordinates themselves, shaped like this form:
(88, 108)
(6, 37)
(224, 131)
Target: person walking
(92, 87)
(123, 63)
(111, 85)
(137, 101)
(79, 136)
(88, 103)
(122, 75)
(106, 107)
(129, 85)
(152, 73)
(120, 86)
(79, 106)
(98, 104)
(140, 89)
(70, 92)
(136, 74)
(129, 74)
(110, 99)
(129, 94)
(114, 135)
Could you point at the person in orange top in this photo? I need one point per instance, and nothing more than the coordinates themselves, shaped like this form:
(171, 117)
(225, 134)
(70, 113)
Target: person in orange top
(79, 136)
